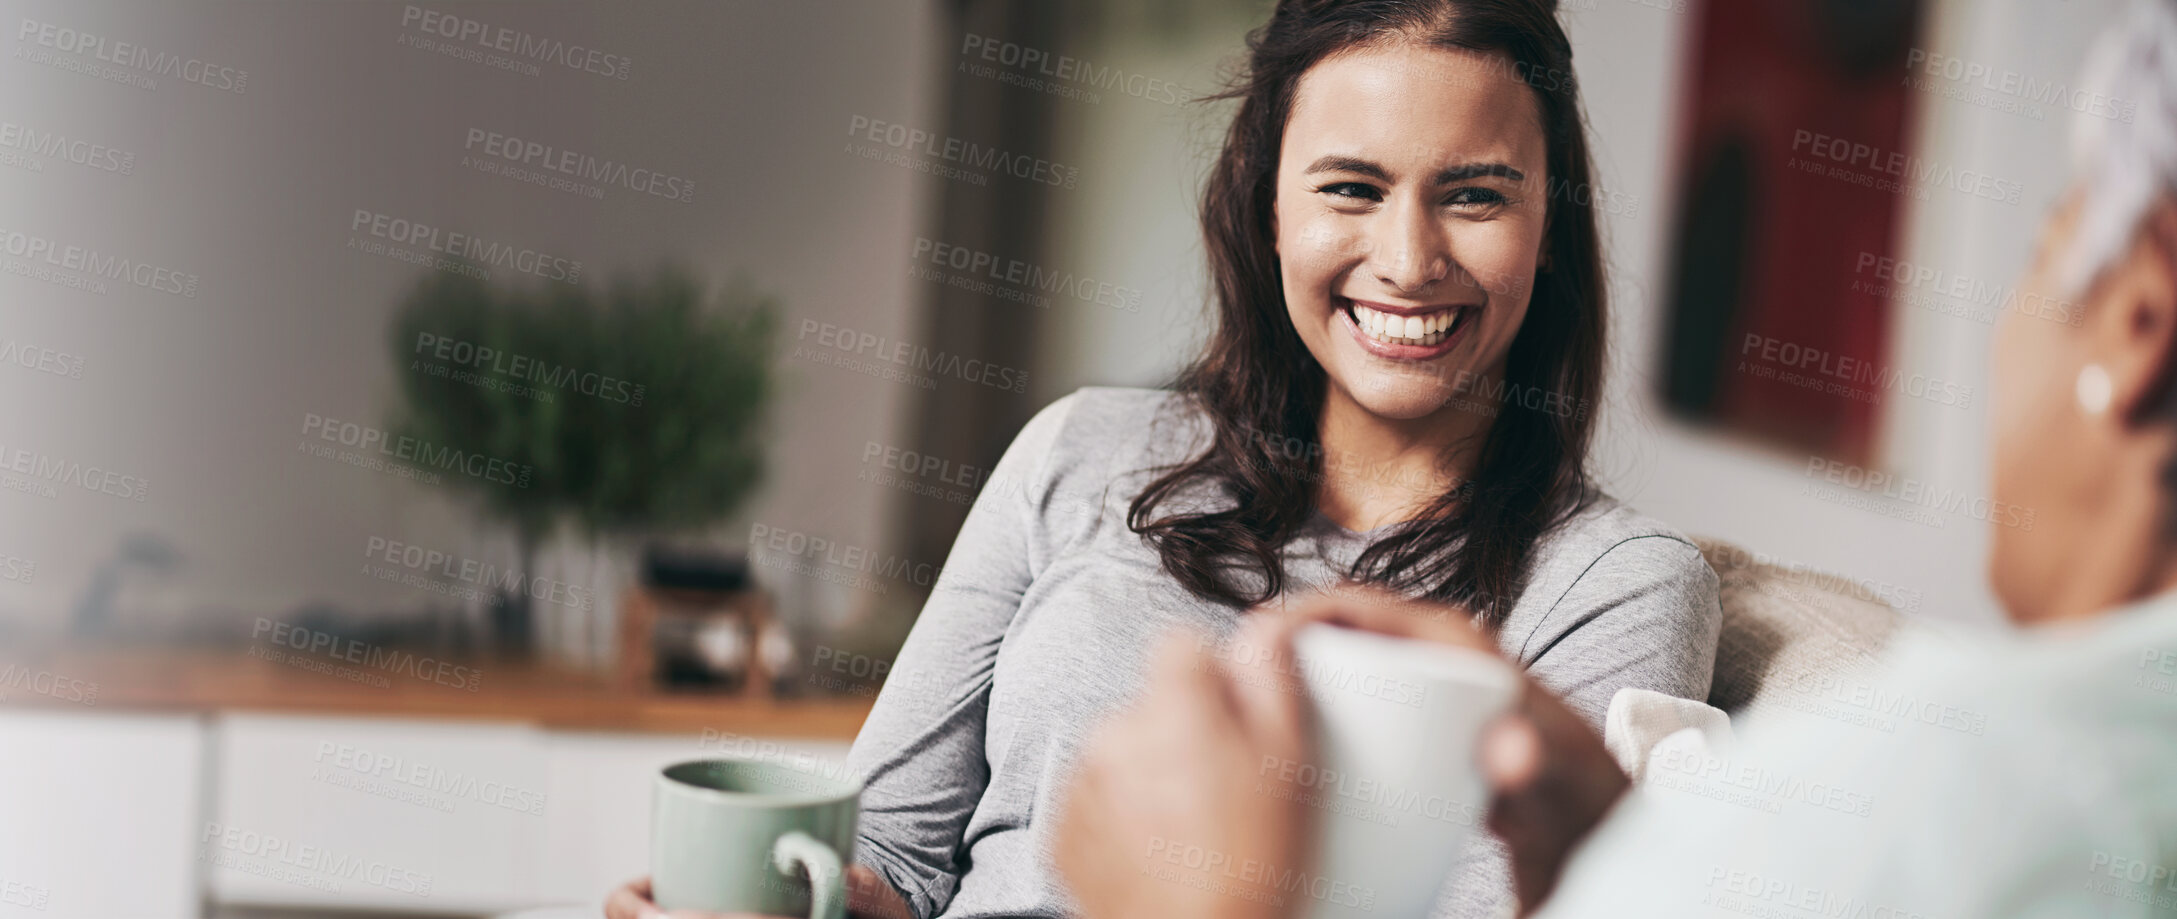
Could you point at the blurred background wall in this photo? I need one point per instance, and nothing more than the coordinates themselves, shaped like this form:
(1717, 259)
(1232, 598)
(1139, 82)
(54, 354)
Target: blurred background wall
(255, 190)
(205, 397)
(1761, 499)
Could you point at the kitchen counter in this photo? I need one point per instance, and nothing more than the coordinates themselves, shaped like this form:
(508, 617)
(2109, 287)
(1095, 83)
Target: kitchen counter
(277, 681)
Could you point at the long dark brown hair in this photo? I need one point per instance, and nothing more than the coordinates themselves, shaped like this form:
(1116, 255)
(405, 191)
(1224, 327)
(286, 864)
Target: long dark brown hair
(1264, 391)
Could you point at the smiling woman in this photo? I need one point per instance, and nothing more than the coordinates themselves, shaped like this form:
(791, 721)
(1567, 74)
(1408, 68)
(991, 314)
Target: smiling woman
(1395, 177)
(1408, 343)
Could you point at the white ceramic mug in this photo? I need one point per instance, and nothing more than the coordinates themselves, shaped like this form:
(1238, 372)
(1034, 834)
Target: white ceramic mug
(1396, 781)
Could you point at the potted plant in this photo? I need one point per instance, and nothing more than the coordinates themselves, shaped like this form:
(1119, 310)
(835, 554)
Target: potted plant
(638, 407)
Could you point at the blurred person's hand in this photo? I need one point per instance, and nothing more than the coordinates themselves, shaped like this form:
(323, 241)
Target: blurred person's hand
(1553, 779)
(868, 897)
(1169, 812)
(1554, 783)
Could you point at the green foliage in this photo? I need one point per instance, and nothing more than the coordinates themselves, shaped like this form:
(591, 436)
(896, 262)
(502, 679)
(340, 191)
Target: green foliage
(639, 408)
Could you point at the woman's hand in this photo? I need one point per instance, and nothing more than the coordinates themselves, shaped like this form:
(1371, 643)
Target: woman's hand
(1553, 779)
(632, 901)
(1171, 812)
(868, 897)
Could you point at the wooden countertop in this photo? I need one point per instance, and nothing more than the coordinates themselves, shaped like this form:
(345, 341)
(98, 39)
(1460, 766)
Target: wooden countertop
(169, 680)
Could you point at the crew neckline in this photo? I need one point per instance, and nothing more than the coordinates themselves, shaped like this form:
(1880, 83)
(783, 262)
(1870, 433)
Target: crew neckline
(1323, 520)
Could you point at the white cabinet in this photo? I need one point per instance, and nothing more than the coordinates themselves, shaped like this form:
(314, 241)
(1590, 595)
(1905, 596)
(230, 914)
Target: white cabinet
(99, 815)
(375, 813)
(147, 816)
(436, 816)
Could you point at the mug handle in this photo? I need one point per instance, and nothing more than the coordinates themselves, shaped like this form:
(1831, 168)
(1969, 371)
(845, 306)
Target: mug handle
(827, 878)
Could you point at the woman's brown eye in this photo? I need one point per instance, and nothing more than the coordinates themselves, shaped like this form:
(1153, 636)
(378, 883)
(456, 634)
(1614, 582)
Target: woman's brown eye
(1353, 190)
(1476, 196)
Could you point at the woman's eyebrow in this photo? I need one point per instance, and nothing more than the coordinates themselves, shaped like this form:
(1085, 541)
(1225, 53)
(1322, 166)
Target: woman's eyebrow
(1445, 176)
(1464, 171)
(1336, 163)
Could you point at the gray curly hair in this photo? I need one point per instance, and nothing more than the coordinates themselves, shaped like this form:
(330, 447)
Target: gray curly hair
(2124, 164)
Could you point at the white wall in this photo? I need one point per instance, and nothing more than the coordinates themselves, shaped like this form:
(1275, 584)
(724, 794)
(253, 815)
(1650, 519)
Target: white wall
(1132, 221)
(1627, 56)
(253, 192)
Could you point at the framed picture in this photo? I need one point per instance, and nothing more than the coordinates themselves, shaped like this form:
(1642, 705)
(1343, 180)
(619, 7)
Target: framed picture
(1793, 181)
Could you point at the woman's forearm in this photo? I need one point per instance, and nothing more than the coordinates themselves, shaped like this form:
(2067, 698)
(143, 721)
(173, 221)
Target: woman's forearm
(870, 896)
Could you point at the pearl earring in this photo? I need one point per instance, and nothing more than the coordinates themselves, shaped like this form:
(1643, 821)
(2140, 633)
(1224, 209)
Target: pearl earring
(2094, 389)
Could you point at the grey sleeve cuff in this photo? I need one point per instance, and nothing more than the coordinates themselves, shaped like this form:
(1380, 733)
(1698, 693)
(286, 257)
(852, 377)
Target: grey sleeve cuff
(925, 899)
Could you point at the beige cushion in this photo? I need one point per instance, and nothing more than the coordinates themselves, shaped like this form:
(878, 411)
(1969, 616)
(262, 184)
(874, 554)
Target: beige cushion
(1786, 625)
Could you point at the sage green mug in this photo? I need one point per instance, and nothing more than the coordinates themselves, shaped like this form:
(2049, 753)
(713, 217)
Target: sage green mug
(745, 835)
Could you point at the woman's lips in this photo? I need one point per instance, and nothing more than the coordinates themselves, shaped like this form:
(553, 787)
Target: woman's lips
(1405, 333)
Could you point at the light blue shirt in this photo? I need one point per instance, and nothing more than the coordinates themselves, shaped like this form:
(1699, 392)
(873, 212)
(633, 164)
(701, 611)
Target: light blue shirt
(2022, 774)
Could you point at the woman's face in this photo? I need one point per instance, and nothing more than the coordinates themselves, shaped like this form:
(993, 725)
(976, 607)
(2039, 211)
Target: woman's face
(2040, 433)
(1409, 219)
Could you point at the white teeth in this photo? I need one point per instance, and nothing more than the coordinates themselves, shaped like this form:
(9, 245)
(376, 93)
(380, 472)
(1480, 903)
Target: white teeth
(1404, 330)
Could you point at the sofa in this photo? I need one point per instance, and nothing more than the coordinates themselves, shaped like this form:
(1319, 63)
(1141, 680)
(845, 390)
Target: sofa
(1787, 631)
(1785, 625)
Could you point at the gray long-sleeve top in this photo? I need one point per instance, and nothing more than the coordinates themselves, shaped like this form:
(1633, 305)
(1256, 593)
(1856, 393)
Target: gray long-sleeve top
(1041, 620)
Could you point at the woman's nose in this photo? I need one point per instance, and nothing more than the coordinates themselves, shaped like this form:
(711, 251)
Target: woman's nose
(1408, 252)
